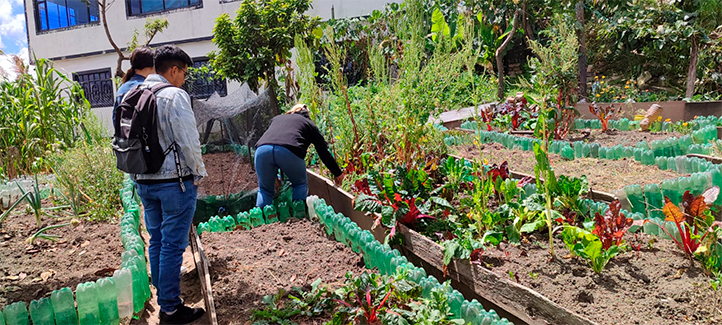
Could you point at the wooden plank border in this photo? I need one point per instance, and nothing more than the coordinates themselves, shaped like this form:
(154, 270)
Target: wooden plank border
(507, 298)
(201, 262)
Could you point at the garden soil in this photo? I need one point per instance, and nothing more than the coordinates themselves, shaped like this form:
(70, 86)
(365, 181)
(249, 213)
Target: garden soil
(228, 173)
(83, 253)
(615, 137)
(249, 264)
(603, 174)
(655, 285)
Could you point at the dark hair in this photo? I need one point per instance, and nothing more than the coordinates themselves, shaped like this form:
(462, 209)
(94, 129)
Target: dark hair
(168, 56)
(140, 59)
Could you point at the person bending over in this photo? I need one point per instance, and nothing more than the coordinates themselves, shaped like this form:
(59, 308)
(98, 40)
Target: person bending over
(283, 146)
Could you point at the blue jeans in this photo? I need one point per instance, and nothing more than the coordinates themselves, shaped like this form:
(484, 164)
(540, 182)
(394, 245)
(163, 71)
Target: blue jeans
(269, 158)
(168, 216)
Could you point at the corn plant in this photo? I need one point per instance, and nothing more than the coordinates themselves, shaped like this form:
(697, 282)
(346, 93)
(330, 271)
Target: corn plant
(40, 114)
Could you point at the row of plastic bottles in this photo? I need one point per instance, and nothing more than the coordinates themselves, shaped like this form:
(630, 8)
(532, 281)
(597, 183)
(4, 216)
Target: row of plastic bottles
(649, 200)
(255, 217)
(705, 134)
(390, 262)
(10, 191)
(233, 147)
(105, 301)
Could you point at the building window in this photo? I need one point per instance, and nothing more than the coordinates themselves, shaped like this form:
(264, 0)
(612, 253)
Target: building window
(141, 7)
(54, 14)
(98, 86)
(205, 85)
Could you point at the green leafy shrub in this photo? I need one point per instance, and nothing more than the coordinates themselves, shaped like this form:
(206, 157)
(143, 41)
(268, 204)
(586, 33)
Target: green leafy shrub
(87, 178)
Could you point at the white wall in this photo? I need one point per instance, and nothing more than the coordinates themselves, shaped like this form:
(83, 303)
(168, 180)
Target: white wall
(184, 24)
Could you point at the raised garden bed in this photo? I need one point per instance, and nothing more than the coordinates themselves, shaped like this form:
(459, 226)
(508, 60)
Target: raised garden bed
(84, 253)
(655, 285)
(544, 292)
(615, 137)
(228, 173)
(603, 175)
(245, 265)
(231, 185)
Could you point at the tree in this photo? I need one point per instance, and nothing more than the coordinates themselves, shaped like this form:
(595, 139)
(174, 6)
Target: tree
(259, 39)
(500, 55)
(152, 27)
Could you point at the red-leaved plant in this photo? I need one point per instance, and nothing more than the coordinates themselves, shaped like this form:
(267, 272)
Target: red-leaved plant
(604, 114)
(689, 220)
(611, 227)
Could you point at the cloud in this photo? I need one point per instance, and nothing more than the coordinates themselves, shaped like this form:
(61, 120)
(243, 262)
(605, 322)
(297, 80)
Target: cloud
(12, 26)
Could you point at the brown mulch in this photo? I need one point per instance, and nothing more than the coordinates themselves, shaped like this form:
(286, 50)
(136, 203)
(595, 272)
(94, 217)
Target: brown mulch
(84, 253)
(653, 286)
(603, 174)
(228, 173)
(249, 264)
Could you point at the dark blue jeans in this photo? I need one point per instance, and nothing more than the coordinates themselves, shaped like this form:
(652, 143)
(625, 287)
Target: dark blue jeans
(168, 215)
(270, 158)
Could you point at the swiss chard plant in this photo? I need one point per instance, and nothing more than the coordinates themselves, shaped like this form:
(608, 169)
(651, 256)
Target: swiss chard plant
(692, 223)
(600, 245)
(403, 196)
(604, 114)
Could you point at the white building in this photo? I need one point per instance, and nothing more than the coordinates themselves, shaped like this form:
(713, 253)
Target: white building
(70, 33)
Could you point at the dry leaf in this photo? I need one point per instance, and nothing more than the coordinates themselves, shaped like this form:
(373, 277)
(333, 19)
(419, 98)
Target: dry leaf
(293, 278)
(12, 277)
(281, 252)
(85, 244)
(22, 276)
(47, 274)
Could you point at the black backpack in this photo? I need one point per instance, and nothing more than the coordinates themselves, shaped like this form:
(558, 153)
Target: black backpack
(135, 143)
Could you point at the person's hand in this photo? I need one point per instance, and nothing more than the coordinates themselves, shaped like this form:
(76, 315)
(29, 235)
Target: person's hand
(338, 180)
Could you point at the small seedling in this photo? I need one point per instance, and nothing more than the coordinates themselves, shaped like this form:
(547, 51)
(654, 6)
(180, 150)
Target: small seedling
(533, 275)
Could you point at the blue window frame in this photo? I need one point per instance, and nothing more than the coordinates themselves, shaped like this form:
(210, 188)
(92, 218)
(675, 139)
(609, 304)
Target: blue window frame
(142, 7)
(55, 14)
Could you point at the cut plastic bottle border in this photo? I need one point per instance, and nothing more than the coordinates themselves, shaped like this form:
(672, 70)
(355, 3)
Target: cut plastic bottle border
(376, 255)
(95, 305)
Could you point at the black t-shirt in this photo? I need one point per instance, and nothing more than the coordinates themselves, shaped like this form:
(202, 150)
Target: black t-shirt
(296, 132)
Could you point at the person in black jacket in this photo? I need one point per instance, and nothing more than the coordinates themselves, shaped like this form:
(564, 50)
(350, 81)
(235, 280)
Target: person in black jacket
(284, 146)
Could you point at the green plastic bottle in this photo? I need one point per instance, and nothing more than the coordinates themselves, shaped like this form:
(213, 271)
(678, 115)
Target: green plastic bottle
(669, 189)
(284, 212)
(17, 314)
(203, 227)
(636, 198)
(124, 293)
(567, 153)
(244, 220)
(270, 213)
(229, 224)
(138, 293)
(2, 317)
(107, 301)
(216, 224)
(257, 217)
(64, 306)
(299, 209)
(41, 312)
(654, 200)
(661, 162)
(87, 299)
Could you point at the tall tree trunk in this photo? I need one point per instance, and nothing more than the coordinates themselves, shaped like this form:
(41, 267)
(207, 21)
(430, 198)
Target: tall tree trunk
(103, 4)
(500, 54)
(692, 71)
(582, 36)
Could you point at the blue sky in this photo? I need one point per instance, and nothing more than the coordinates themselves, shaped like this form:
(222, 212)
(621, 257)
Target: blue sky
(13, 39)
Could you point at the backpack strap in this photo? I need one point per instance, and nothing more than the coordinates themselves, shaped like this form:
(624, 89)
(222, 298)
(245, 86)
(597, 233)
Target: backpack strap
(173, 146)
